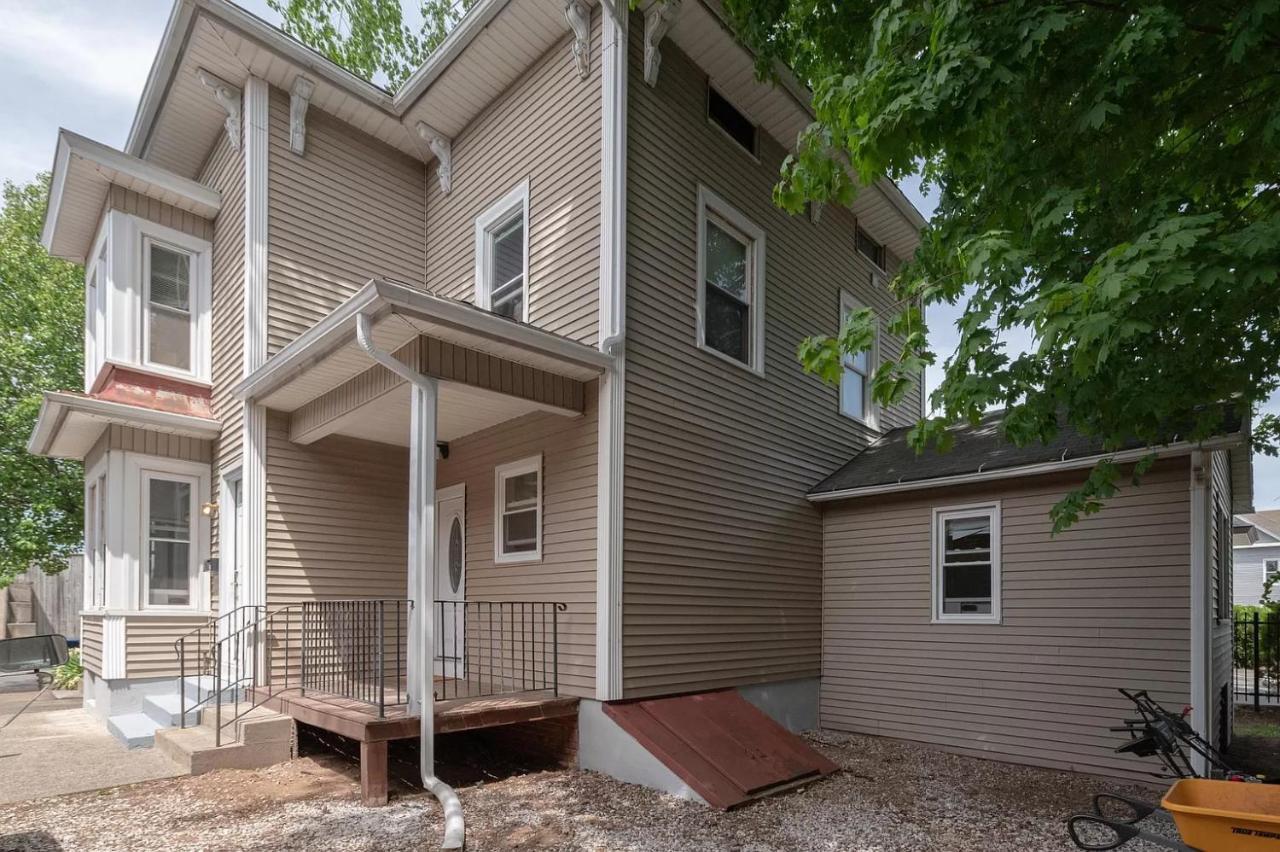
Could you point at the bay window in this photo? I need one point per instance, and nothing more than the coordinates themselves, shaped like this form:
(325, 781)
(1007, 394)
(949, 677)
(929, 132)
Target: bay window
(169, 557)
(169, 322)
(966, 564)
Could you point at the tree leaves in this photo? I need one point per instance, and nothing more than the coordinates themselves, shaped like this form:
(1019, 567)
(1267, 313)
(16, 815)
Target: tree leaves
(41, 329)
(1107, 179)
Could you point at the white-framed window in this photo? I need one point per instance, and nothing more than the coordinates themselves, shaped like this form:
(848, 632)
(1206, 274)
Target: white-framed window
(731, 269)
(1270, 568)
(168, 332)
(169, 560)
(855, 379)
(502, 255)
(517, 511)
(966, 564)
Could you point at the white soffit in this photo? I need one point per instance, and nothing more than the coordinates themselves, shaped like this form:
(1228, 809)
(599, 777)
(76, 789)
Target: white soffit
(70, 424)
(83, 172)
(783, 111)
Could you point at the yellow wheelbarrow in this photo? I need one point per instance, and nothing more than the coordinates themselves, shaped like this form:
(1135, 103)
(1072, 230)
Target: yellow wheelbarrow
(1211, 816)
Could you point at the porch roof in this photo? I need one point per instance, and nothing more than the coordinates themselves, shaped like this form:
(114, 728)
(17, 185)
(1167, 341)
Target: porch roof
(327, 355)
(70, 423)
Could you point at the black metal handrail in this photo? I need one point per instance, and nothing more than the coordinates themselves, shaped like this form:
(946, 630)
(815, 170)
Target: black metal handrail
(356, 649)
(485, 648)
(203, 642)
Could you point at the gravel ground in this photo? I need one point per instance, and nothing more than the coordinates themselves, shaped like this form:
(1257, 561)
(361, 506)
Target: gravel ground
(890, 796)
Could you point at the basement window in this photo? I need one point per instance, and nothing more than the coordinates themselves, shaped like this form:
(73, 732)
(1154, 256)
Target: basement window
(966, 564)
(726, 116)
(518, 511)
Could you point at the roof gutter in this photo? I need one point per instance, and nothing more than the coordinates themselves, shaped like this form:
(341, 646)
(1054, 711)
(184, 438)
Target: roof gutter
(1181, 448)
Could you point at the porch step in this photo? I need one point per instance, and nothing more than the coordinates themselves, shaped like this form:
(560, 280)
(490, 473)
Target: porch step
(200, 688)
(167, 710)
(261, 738)
(134, 730)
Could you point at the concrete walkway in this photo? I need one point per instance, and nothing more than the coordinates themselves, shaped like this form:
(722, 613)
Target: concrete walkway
(56, 747)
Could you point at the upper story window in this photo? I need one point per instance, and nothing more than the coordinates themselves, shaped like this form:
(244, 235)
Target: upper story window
(855, 379)
(869, 248)
(726, 116)
(1271, 568)
(148, 300)
(169, 329)
(731, 263)
(518, 511)
(502, 256)
(966, 564)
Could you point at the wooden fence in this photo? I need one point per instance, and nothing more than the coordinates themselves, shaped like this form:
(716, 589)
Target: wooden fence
(56, 601)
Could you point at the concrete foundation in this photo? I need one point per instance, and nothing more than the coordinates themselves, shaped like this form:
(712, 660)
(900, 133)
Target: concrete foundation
(605, 747)
(791, 703)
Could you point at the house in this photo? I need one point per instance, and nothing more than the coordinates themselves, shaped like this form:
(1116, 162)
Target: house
(491, 381)
(1256, 554)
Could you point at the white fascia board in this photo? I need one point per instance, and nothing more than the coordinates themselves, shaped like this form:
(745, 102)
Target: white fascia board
(378, 298)
(1181, 448)
(58, 404)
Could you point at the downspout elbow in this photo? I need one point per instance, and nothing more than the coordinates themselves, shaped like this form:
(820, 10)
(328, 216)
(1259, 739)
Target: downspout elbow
(364, 337)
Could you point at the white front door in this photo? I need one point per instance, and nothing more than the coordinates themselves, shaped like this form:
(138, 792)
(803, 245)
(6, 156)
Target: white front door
(451, 582)
(232, 535)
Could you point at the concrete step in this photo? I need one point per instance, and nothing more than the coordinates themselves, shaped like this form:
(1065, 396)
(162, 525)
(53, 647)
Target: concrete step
(200, 688)
(261, 738)
(134, 730)
(167, 710)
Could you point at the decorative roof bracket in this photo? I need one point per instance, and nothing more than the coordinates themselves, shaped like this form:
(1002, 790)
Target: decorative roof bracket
(442, 147)
(229, 98)
(578, 14)
(657, 23)
(299, 100)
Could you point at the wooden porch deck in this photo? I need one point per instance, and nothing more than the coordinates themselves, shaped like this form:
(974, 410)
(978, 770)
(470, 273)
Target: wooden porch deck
(359, 721)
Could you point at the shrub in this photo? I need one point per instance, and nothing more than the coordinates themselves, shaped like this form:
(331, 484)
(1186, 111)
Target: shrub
(69, 674)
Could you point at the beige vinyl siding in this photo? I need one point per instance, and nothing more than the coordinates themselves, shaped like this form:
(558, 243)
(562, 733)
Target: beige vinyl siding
(148, 646)
(91, 643)
(160, 444)
(224, 171)
(1103, 605)
(567, 571)
(1220, 587)
(153, 210)
(545, 128)
(722, 553)
(351, 208)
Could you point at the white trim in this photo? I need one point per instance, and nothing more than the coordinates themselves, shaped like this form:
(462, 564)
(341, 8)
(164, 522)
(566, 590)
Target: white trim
(194, 280)
(1201, 672)
(57, 404)
(501, 473)
(1181, 448)
(113, 646)
(499, 214)
(194, 495)
(112, 166)
(230, 542)
(871, 411)
(991, 511)
(709, 203)
(610, 439)
(253, 436)
(378, 298)
(138, 469)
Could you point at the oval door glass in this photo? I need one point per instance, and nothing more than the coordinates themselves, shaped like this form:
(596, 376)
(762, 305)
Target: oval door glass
(455, 554)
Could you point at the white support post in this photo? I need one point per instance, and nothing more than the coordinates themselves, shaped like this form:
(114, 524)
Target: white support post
(422, 563)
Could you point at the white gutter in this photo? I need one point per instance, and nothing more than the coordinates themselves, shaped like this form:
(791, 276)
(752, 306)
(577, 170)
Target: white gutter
(1179, 449)
(57, 404)
(422, 489)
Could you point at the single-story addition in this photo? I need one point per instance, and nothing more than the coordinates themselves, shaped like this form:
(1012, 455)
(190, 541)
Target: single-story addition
(953, 616)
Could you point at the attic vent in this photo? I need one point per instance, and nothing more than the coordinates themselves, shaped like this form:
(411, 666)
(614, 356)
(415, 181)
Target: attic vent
(725, 116)
(871, 249)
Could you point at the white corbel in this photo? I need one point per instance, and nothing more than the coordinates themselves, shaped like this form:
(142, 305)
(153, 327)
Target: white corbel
(657, 23)
(442, 147)
(578, 14)
(229, 98)
(299, 100)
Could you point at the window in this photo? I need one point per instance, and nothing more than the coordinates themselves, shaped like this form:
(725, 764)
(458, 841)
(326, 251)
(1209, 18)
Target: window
(95, 542)
(730, 283)
(169, 558)
(737, 126)
(518, 511)
(869, 248)
(502, 256)
(966, 564)
(855, 380)
(1271, 567)
(169, 317)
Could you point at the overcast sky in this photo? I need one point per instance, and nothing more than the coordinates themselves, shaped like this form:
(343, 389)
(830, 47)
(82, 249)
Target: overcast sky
(81, 64)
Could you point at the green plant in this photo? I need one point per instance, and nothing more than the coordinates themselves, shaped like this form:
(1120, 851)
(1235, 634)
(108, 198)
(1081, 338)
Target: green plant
(69, 674)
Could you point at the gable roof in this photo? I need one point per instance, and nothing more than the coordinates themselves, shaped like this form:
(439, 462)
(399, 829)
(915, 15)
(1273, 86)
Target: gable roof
(981, 452)
(1267, 522)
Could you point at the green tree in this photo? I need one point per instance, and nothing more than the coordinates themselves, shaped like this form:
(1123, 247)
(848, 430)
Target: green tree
(370, 37)
(1108, 177)
(41, 334)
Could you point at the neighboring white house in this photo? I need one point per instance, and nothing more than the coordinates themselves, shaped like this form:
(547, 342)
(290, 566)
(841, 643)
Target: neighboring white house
(1257, 553)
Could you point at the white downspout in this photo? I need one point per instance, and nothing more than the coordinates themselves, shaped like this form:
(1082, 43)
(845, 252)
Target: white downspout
(422, 502)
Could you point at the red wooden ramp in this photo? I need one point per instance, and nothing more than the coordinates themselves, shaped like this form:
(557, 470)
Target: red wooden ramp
(720, 744)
